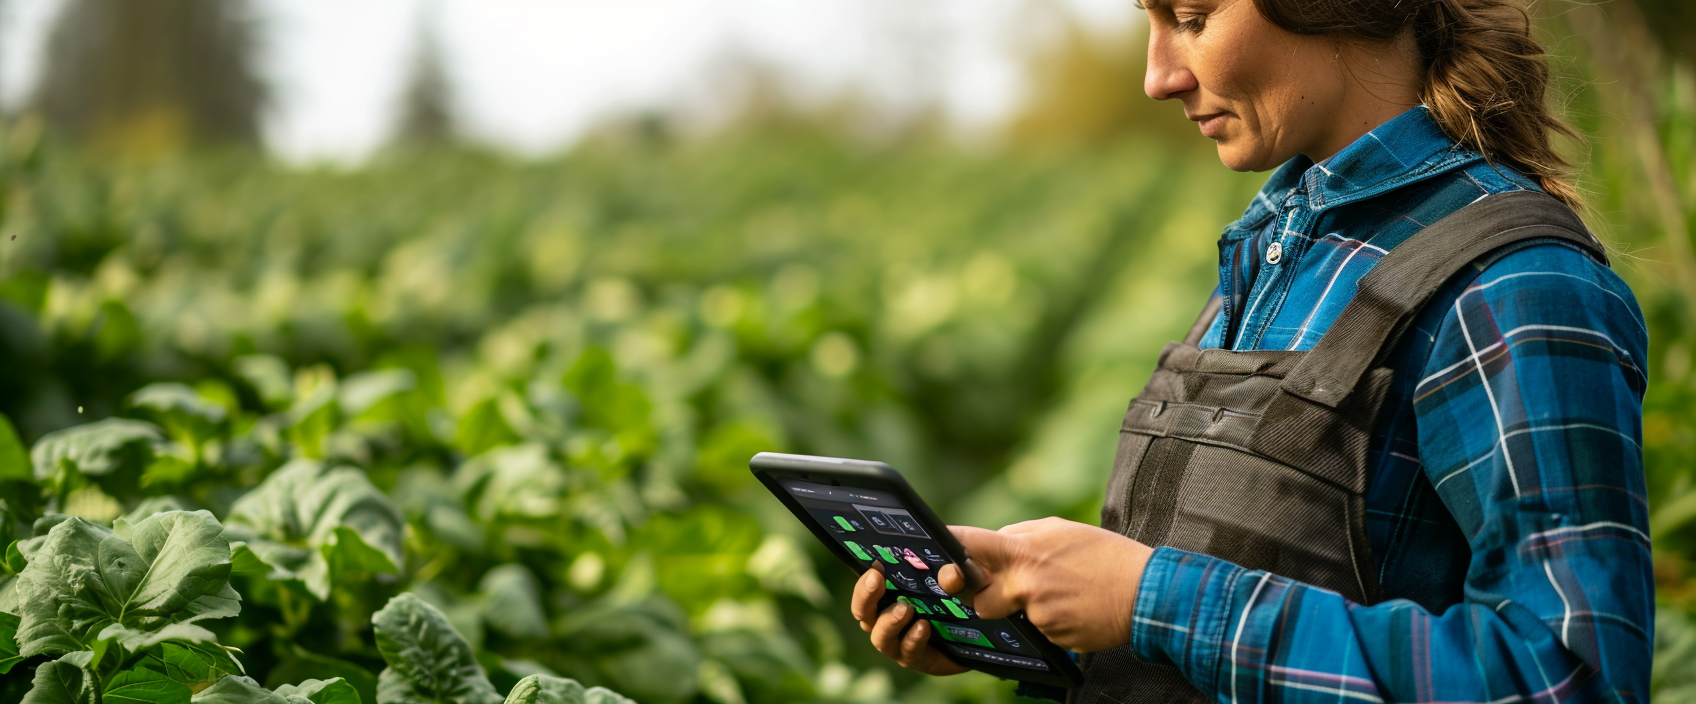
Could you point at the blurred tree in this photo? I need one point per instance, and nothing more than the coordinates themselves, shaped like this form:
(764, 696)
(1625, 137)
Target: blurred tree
(426, 109)
(1084, 85)
(152, 76)
(747, 94)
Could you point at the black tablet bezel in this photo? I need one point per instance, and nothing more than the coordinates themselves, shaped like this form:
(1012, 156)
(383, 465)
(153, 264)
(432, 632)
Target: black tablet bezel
(768, 467)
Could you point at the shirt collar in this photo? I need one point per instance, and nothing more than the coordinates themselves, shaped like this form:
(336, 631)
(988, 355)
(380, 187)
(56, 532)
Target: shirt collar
(1408, 148)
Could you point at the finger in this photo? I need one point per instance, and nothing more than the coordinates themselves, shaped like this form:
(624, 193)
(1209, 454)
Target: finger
(996, 556)
(867, 592)
(994, 551)
(996, 601)
(886, 635)
(914, 643)
(962, 582)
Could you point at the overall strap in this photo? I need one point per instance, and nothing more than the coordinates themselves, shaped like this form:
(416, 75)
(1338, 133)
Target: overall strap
(1397, 288)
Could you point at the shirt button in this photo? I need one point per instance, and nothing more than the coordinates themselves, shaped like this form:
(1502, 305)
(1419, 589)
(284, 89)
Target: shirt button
(1274, 253)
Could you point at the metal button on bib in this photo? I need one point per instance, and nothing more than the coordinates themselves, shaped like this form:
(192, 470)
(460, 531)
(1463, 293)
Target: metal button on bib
(1274, 252)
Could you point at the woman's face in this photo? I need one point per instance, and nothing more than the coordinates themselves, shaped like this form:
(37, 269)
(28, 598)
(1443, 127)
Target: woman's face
(1263, 93)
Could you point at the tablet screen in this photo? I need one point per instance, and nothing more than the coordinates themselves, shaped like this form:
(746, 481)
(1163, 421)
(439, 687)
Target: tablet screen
(874, 527)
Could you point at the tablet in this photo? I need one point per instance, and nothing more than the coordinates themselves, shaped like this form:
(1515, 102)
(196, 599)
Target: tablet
(867, 515)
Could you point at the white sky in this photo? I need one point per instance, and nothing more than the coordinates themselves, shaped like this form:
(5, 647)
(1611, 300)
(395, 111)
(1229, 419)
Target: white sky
(532, 74)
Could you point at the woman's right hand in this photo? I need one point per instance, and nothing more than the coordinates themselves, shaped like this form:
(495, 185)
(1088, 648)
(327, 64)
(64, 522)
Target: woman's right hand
(912, 649)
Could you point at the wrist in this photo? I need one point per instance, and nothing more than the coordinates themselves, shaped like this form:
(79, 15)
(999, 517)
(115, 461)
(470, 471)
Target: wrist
(1137, 559)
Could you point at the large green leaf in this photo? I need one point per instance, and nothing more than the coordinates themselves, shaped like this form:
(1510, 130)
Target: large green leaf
(516, 482)
(156, 504)
(331, 691)
(428, 661)
(188, 418)
(298, 664)
(142, 685)
(137, 640)
(8, 595)
(242, 690)
(428, 498)
(195, 664)
(543, 689)
(514, 606)
(170, 568)
(95, 449)
(8, 642)
(64, 681)
(602, 695)
(314, 524)
(20, 551)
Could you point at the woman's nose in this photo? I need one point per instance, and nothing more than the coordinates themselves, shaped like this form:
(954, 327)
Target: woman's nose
(1168, 75)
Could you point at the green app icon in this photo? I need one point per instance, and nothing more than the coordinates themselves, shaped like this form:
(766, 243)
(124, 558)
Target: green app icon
(953, 609)
(887, 556)
(858, 551)
(845, 524)
(961, 634)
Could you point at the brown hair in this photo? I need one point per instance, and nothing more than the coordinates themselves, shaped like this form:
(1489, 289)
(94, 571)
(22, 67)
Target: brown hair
(1485, 76)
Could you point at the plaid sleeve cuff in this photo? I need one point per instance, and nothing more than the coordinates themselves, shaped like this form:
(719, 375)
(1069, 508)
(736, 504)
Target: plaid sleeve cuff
(1182, 612)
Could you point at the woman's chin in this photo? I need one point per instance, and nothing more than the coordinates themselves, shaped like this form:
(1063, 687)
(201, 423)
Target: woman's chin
(1234, 158)
(1237, 156)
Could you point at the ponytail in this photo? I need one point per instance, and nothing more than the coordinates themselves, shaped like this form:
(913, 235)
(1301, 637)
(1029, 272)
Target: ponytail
(1486, 79)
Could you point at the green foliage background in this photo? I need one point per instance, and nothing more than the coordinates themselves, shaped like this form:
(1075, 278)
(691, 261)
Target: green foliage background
(525, 392)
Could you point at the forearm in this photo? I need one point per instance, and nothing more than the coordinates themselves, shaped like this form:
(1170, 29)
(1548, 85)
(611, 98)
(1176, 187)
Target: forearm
(1246, 636)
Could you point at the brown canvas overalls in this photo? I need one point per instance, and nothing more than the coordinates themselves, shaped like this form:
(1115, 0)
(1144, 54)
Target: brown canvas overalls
(1259, 458)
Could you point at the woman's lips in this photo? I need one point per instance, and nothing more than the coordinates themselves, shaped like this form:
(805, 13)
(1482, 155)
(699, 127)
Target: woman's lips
(1212, 125)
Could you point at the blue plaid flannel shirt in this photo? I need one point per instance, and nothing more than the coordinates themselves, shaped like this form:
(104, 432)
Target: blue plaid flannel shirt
(1506, 501)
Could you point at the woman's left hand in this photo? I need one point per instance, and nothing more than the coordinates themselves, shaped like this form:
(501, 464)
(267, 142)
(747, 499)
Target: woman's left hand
(1077, 583)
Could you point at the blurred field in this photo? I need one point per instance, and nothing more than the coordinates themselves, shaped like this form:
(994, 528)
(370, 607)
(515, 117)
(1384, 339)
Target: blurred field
(556, 370)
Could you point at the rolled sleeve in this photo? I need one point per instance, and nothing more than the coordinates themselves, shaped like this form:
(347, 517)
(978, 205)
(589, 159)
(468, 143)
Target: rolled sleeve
(1181, 612)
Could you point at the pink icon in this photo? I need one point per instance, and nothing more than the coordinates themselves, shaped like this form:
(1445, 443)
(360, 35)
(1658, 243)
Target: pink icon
(914, 560)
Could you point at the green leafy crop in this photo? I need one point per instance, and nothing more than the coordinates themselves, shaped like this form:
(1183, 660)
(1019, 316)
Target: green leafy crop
(428, 661)
(450, 425)
(118, 607)
(308, 521)
(87, 586)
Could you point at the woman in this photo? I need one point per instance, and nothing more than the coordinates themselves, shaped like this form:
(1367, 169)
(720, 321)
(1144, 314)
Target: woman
(1425, 484)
